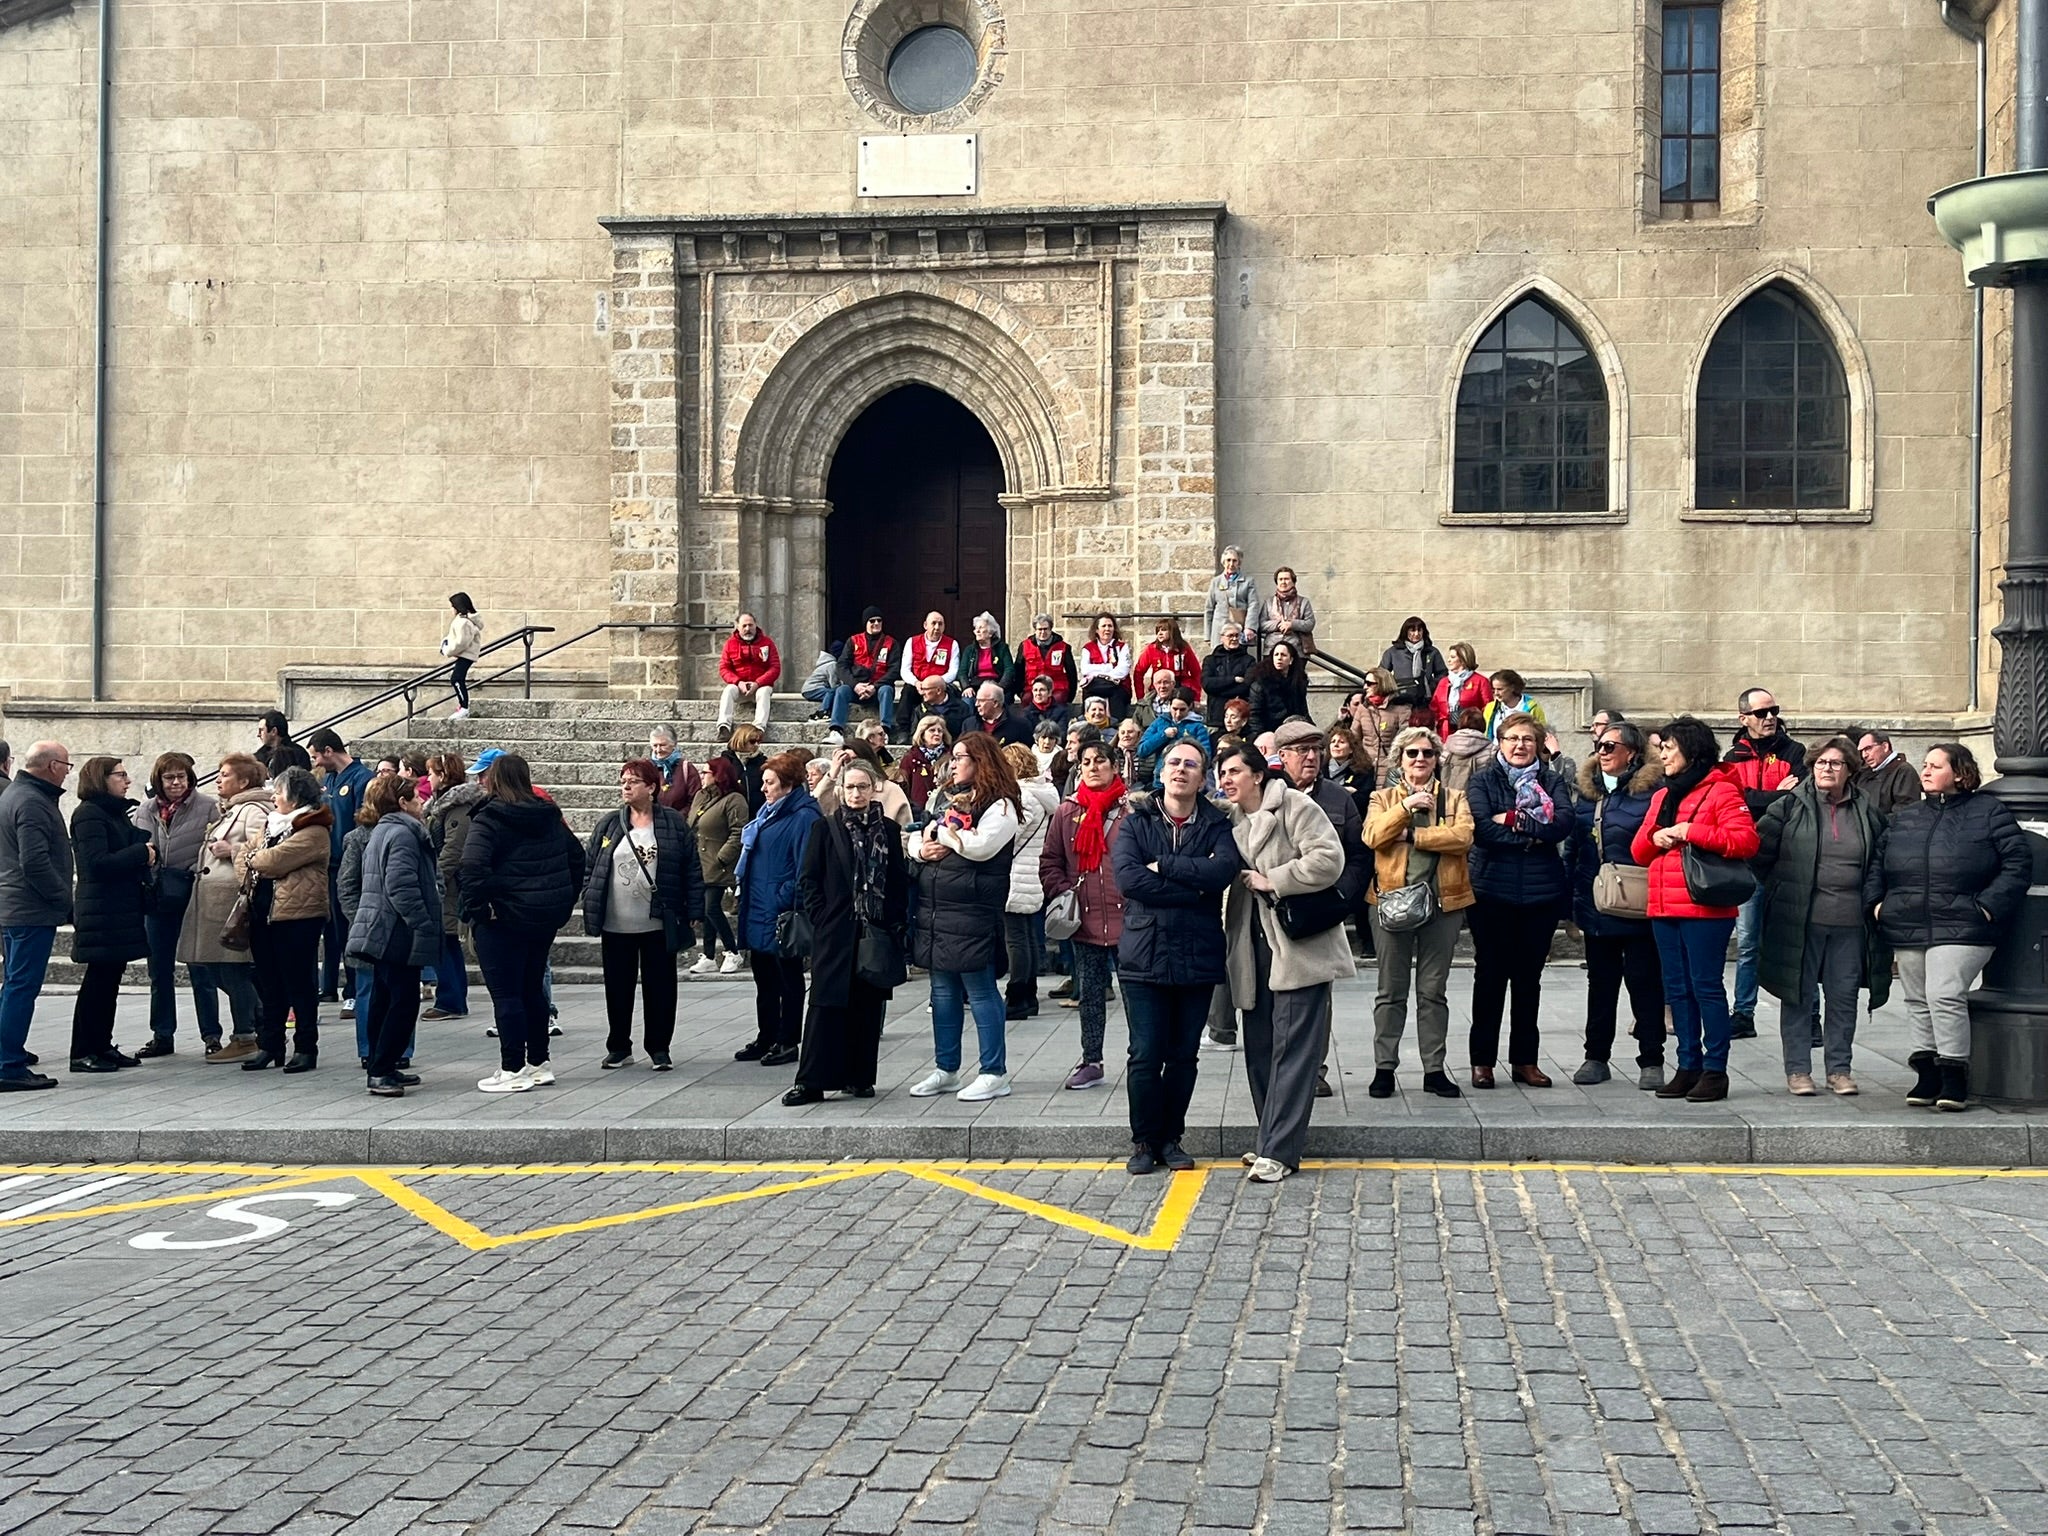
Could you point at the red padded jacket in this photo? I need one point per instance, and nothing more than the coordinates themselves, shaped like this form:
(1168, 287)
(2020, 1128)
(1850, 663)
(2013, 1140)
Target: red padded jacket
(1720, 823)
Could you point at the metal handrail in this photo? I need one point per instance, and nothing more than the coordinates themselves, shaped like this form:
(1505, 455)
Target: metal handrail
(1337, 664)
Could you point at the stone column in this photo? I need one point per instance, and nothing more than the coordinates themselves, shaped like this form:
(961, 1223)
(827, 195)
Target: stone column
(1175, 494)
(645, 527)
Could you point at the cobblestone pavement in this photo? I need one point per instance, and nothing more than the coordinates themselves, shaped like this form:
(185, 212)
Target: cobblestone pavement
(1429, 1349)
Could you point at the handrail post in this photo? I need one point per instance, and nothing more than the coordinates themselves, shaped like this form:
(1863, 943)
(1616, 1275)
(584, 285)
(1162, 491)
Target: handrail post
(411, 695)
(526, 640)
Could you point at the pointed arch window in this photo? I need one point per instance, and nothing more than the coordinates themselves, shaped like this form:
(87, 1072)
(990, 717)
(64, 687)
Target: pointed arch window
(1532, 418)
(1773, 411)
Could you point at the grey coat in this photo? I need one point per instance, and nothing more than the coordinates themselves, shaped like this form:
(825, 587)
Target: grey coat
(1290, 841)
(181, 845)
(35, 856)
(398, 918)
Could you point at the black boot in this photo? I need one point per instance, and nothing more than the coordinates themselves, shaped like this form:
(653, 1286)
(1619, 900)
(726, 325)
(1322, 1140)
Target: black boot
(1926, 1079)
(1382, 1084)
(1955, 1084)
(1680, 1084)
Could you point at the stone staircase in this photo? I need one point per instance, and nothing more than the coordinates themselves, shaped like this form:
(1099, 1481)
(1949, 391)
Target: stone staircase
(574, 747)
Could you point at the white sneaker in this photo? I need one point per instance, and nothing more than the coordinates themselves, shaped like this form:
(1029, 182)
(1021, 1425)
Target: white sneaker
(1266, 1171)
(989, 1085)
(1211, 1043)
(730, 965)
(834, 739)
(705, 966)
(460, 714)
(348, 1007)
(490, 1031)
(939, 1082)
(542, 1074)
(502, 1081)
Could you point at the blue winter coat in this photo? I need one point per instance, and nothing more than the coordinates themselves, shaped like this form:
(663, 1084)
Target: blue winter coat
(771, 864)
(1617, 816)
(343, 793)
(398, 913)
(1519, 865)
(1173, 920)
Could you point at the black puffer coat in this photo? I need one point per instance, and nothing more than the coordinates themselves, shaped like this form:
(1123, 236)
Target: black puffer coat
(1607, 822)
(112, 856)
(1274, 698)
(826, 889)
(1520, 866)
(960, 905)
(522, 867)
(678, 878)
(1173, 920)
(1952, 869)
(1223, 679)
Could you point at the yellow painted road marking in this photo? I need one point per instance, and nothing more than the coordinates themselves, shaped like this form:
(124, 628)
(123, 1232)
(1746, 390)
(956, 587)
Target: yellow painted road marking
(1182, 1190)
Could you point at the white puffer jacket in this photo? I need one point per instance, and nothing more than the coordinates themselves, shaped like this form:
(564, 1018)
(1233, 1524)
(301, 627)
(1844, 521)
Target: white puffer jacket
(1040, 801)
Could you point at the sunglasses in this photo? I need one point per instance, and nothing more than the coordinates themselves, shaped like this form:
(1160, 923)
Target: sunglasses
(1418, 752)
(1610, 746)
(1768, 712)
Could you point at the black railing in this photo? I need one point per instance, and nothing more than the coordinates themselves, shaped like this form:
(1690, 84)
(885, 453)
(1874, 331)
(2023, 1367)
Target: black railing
(1352, 676)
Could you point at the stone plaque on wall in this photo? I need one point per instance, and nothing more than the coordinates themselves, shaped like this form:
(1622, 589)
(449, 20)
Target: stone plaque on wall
(916, 165)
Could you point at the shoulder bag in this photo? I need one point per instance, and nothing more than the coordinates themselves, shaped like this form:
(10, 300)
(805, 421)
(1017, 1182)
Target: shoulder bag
(793, 937)
(234, 928)
(1713, 880)
(1619, 890)
(1063, 916)
(878, 959)
(1314, 912)
(1409, 907)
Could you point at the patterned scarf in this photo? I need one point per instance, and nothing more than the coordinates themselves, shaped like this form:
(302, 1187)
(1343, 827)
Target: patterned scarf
(1091, 830)
(869, 831)
(1531, 798)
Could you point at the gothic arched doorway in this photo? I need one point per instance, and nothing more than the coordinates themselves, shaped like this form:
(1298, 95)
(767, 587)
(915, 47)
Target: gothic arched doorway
(915, 522)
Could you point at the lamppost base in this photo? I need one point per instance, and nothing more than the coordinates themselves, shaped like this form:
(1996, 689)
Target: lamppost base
(2009, 1014)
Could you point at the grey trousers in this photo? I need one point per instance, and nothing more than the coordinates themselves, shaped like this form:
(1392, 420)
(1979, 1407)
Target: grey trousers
(1425, 955)
(1937, 986)
(1285, 1035)
(1832, 968)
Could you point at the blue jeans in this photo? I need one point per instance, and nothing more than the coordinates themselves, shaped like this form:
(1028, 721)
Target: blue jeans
(451, 977)
(842, 701)
(366, 999)
(951, 990)
(1166, 1040)
(160, 925)
(1749, 943)
(1694, 951)
(27, 962)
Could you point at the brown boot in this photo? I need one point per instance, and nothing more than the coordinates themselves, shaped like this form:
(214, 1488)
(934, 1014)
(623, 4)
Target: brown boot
(1710, 1089)
(1530, 1075)
(1682, 1083)
(239, 1048)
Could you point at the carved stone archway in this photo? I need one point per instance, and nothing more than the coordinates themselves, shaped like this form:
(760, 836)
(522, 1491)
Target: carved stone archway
(743, 349)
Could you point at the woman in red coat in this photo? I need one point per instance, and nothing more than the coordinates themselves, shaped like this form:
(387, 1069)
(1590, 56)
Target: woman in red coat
(1701, 804)
(1465, 688)
(1170, 652)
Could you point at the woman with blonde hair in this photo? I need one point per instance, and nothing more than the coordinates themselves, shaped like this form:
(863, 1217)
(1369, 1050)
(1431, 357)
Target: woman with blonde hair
(242, 806)
(1462, 688)
(1420, 834)
(922, 767)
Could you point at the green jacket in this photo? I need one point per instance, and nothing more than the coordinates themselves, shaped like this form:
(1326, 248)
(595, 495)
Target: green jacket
(1787, 859)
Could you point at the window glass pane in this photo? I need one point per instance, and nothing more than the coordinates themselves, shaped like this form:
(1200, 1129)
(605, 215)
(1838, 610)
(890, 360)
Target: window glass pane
(1823, 480)
(1706, 104)
(1767, 480)
(1677, 38)
(1769, 374)
(932, 69)
(1706, 37)
(1767, 426)
(1721, 426)
(1706, 171)
(1824, 424)
(1674, 102)
(1518, 446)
(1674, 174)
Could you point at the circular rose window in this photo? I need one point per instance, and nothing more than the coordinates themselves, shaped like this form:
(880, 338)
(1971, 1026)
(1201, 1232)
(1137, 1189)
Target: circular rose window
(922, 65)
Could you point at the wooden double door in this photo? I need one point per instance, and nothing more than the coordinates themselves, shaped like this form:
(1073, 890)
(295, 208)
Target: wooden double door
(915, 523)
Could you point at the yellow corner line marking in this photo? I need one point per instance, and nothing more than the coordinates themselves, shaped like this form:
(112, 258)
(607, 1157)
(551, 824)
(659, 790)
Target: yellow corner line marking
(233, 1192)
(1181, 1194)
(475, 1238)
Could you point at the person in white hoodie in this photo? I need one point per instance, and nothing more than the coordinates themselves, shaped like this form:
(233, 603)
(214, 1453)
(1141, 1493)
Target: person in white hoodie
(1024, 914)
(463, 643)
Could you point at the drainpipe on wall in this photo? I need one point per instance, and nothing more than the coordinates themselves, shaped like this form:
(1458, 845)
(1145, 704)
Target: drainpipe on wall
(101, 284)
(1973, 32)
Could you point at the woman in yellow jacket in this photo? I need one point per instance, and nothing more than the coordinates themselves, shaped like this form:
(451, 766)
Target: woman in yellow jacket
(1419, 833)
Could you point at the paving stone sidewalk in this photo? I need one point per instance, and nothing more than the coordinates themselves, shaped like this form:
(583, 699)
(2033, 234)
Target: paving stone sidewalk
(712, 1106)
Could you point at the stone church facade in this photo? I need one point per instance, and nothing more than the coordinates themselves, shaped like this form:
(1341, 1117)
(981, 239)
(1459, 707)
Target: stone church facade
(573, 304)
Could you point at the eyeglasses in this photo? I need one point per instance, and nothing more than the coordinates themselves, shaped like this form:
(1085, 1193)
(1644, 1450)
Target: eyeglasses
(1768, 712)
(1418, 752)
(1832, 764)
(1610, 746)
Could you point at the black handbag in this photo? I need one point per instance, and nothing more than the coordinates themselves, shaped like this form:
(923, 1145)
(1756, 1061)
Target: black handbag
(878, 959)
(675, 933)
(793, 935)
(1314, 912)
(1713, 880)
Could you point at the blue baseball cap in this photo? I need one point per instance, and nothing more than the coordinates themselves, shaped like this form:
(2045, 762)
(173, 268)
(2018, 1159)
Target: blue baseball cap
(484, 759)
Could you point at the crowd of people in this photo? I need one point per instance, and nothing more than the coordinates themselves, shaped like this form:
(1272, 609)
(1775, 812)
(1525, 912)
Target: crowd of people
(1166, 824)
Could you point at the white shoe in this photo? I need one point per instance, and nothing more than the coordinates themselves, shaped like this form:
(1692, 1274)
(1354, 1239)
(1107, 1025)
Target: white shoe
(834, 739)
(705, 966)
(502, 1081)
(1211, 1043)
(989, 1085)
(460, 714)
(939, 1082)
(541, 1075)
(1250, 1159)
(348, 1007)
(730, 965)
(1267, 1171)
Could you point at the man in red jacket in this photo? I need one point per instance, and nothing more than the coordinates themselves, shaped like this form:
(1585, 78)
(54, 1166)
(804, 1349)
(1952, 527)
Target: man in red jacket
(749, 667)
(1045, 653)
(1767, 763)
(931, 653)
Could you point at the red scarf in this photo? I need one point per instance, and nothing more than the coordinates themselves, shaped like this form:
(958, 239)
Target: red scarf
(1091, 831)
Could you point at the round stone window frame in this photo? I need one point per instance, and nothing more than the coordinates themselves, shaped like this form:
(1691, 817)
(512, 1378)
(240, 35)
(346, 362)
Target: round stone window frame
(875, 28)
